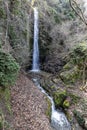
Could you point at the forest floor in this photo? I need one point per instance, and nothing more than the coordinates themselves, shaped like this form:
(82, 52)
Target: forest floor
(28, 106)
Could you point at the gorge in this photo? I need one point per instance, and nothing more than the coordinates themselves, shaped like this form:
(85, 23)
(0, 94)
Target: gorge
(43, 65)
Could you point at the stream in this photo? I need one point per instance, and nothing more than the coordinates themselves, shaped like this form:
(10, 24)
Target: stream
(58, 118)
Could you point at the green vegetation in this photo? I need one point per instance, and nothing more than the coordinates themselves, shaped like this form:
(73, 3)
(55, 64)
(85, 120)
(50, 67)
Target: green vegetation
(15, 7)
(48, 111)
(66, 104)
(2, 13)
(8, 69)
(8, 75)
(59, 97)
(52, 12)
(79, 118)
(3, 123)
(6, 97)
(74, 98)
(78, 54)
(70, 75)
(12, 35)
(76, 66)
(2, 10)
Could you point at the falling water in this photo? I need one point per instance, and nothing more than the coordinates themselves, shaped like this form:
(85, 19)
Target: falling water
(58, 118)
(35, 66)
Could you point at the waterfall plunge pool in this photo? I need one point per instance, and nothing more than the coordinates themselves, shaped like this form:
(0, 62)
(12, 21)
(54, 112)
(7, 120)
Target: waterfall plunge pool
(58, 118)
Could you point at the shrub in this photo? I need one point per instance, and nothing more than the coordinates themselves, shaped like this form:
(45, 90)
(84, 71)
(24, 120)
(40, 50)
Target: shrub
(8, 69)
(59, 97)
(79, 54)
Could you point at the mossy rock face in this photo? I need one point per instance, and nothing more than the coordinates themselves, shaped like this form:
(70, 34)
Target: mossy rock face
(72, 71)
(8, 69)
(71, 75)
(59, 97)
(58, 92)
(18, 33)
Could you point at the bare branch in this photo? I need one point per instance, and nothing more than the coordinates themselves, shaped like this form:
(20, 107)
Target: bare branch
(77, 10)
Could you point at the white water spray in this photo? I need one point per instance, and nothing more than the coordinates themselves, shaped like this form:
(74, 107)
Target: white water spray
(35, 66)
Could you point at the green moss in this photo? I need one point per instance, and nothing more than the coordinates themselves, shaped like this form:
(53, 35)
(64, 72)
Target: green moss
(52, 87)
(6, 98)
(8, 69)
(79, 118)
(70, 76)
(66, 104)
(48, 111)
(59, 97)
(73, 70)
(68, 66)
(69, 116)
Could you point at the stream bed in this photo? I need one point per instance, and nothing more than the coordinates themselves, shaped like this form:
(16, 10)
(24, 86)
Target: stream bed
(58, 118)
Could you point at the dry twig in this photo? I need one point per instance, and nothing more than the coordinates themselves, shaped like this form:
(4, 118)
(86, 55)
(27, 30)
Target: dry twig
(74, 5)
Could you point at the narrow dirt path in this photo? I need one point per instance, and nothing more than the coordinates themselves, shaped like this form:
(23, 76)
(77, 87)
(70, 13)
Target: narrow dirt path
(28, 106)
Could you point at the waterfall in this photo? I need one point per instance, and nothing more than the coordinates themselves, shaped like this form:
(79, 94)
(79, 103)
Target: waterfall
(35, 66)
(58, 118)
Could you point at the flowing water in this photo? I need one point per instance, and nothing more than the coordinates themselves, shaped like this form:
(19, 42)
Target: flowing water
(35, 66)
(58, 118)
